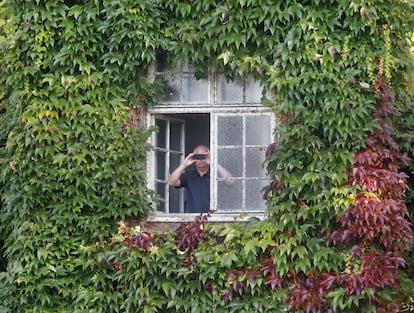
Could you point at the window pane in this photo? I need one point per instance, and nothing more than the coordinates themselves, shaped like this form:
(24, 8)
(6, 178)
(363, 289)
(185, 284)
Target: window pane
(161, 134)
(232, 160)
(160, 188)
(229, 91)
(175, 160)
(230, 131)
(161, 161)
(254, 159)
(254, 194)
(195, 90)
(175, 194)
(175, 136)
(258, 130)
(253, 91)
(171, 89)
(161, 62)
(229, 196)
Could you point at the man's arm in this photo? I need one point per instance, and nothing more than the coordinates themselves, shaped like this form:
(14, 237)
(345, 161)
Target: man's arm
(223, 172)
(174, 178)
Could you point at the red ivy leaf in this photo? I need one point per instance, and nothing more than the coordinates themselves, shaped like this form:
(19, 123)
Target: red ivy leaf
(252, 275)
(274, 281)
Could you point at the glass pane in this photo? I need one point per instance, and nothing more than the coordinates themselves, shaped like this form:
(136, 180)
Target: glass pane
(230, 130)
(160, 189)
(254, 159)
(161, 134)
(229, 196)
(195, 90)
(188, 68)
(175, 195)
(229, 91)
(232, 160)
(175, 136)
(172, 86)
(175, 160)
(161, 62)
(161, 161)
(254, 193)
(253, 91)
(258, 130)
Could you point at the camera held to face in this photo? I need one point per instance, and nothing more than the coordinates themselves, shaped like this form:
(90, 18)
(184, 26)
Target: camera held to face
(199, 156)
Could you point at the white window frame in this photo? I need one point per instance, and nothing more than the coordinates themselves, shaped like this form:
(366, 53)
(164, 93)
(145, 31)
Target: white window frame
(168, 151)
(214, 109)
(244, 146)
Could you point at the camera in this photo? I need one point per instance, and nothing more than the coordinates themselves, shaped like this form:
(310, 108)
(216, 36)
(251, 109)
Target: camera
(199, 156)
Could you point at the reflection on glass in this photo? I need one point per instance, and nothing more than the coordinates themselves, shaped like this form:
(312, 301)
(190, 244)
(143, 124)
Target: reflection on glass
(160, 188)
(257, 130)
(188, 68)
(229, 197)
(171, 89)
(162, 64)
(174, 200)
(161, 138)
(175, 160)
(253, 91)
(161, 161)
(254, 193)
(229, 91)
(232, 160)
(254, 159)
(230, 130)
(175, 136)
(195, 90)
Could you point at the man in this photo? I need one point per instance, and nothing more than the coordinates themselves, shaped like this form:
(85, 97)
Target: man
(196, 181)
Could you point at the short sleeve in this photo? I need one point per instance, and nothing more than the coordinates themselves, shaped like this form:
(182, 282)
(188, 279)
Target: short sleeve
(183, 180)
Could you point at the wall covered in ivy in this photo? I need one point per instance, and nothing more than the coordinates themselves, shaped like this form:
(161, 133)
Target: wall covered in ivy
(73, 80)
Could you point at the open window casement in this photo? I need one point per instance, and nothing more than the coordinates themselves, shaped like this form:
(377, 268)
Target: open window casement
(168, 153)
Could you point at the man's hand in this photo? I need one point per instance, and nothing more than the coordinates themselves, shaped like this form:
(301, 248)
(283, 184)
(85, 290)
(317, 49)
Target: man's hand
(188, 160)
(201, 165)
(174, 178)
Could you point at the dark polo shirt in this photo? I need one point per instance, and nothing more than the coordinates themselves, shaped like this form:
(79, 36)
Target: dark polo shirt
(198, 191)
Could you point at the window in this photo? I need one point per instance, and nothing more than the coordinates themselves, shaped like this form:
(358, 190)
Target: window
(239, 145)
(225, 115)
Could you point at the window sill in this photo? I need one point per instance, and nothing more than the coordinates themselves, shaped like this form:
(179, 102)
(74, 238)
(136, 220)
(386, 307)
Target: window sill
(225, 217)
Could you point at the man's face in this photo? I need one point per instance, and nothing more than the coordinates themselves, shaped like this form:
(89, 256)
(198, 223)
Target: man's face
(203, 162)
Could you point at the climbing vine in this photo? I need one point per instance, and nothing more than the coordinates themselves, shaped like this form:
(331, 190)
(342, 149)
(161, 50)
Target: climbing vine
(72, 155)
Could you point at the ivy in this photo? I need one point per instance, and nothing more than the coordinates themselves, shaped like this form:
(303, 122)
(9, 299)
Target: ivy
(72, 164)
(72, 156)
